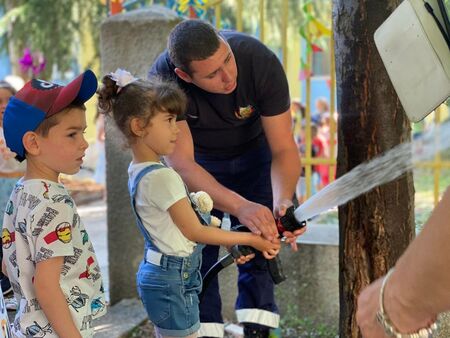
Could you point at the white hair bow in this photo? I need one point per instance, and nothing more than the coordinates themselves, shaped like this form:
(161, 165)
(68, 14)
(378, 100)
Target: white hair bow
(122, 78)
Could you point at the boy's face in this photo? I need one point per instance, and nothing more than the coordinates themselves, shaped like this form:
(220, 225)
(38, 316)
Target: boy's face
(63, 149)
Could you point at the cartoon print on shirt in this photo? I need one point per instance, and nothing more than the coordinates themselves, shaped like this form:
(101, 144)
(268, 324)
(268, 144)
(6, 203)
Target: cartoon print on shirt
(36, 331)
(86, 322)
(96, 306)
(8, 238)
(22, 230)
(32, 200)
(32, 303)
(47, 188)
(63, 232)
(45, 220)
(63, 198)
(43, 255)
(9, 208)
(92, 271)
(13, 260)
(89, 269)
(84, 236)
(69, 261)
(76, 220)
(77, 299)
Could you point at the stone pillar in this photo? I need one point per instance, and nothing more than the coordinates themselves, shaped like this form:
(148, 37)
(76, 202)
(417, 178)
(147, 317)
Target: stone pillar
(131, 41)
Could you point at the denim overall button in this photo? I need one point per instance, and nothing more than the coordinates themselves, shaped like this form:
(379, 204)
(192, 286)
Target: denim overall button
(185, 275)
(188, 264)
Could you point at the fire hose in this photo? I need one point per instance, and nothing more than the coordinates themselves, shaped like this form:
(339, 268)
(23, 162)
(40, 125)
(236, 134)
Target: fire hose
(285, 223)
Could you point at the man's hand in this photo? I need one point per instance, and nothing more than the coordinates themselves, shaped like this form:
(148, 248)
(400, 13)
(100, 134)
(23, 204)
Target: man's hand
(291, 237)
(259, 219)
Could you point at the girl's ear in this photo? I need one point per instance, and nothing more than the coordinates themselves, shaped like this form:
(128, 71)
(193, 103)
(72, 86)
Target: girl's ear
(136, 126)
(30, 143)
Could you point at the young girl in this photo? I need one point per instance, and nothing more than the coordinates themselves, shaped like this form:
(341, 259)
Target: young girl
(168, 279)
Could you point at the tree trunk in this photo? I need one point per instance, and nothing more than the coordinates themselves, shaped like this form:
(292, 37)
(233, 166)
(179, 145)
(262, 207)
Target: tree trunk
(376, 227)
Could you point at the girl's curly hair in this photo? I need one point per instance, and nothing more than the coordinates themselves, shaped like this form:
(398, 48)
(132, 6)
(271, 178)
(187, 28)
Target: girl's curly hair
(140, 99)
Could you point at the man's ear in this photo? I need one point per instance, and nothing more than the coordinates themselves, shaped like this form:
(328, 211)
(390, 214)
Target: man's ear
(31, 143)
(183, 75)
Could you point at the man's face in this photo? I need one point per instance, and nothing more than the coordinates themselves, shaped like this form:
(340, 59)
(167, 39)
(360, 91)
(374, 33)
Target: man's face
(216, 74)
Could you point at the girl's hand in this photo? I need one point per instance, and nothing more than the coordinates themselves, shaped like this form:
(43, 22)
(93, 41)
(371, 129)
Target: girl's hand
(269, 248)
(244, 259)
(270, 254)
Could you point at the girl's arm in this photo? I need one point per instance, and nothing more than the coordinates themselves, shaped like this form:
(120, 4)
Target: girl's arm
(52, 299)
(258, 218)
(185, 218)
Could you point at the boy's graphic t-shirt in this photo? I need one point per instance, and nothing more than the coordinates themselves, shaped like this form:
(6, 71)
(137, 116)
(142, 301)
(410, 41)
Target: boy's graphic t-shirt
(41, 222)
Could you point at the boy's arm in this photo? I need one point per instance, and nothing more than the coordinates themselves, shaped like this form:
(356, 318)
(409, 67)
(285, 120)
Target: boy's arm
(185, 218)
(52, 299)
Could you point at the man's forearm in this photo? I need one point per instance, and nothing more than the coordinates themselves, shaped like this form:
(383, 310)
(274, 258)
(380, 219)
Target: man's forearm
(285, 173)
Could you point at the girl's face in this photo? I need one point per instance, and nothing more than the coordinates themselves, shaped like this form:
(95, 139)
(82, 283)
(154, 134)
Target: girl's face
(5, 94)
(158, 138)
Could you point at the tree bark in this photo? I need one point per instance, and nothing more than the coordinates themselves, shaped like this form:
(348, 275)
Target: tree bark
(376, 227)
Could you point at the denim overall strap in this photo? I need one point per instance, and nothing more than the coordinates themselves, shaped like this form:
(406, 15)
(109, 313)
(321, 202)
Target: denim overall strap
(132, 187)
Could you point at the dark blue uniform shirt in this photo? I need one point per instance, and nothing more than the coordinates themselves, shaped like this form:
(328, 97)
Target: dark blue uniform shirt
(230, 124)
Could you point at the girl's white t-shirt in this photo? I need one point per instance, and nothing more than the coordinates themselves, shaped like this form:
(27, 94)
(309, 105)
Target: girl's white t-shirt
(156, 193)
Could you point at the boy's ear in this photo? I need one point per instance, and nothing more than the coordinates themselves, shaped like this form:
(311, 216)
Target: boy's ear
(30, 143)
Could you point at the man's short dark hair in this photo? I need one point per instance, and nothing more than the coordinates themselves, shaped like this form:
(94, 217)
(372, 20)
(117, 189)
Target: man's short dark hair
(192, 40)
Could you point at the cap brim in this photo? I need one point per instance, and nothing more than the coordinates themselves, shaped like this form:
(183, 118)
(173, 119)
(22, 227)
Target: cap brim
(78, 91)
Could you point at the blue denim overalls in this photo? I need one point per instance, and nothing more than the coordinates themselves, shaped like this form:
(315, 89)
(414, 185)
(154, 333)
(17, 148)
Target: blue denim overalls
(168, 285)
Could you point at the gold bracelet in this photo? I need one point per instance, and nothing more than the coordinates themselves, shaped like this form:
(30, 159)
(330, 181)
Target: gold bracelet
(388, 326)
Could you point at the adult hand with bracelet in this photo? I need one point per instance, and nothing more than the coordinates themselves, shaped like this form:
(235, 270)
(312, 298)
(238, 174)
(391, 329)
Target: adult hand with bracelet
(382, 314)
(407, 301)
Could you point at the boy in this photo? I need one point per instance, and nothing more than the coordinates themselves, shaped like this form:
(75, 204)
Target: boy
(48, 255)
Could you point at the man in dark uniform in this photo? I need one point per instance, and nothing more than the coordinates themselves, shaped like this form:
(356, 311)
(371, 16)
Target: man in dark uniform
(236, 144)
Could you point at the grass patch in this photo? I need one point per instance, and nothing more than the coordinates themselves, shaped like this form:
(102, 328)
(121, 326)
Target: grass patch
(293, 326)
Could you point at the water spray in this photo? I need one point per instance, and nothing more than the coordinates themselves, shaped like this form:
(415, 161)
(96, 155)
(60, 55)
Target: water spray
(381, 169)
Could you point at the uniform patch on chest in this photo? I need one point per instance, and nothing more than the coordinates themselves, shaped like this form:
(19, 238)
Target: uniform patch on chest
(244, 112)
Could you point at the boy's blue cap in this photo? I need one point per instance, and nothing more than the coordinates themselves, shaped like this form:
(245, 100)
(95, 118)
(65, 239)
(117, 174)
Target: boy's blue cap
(38, 100)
